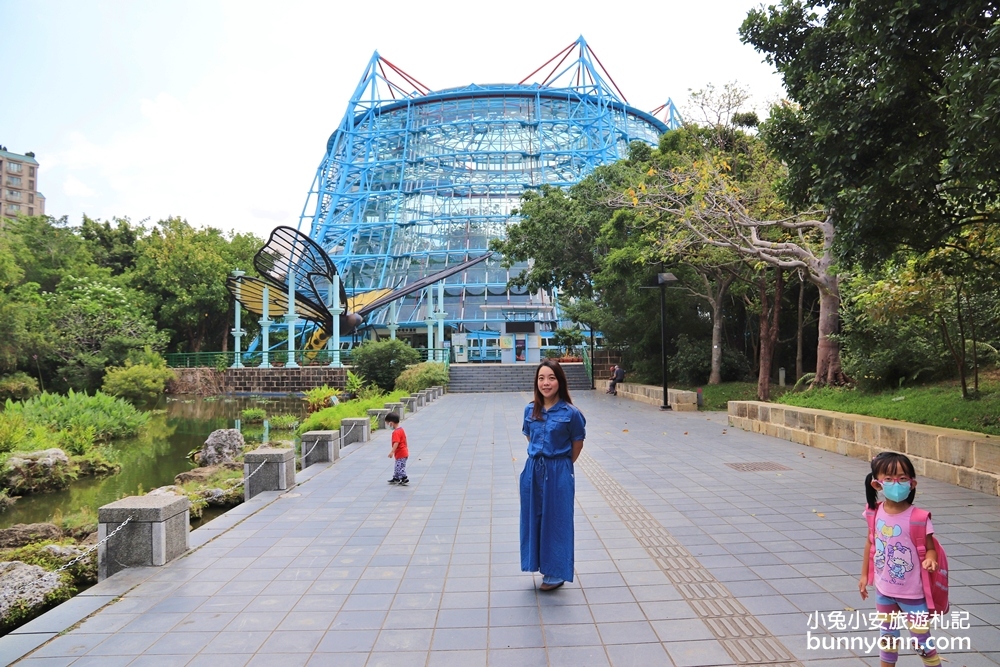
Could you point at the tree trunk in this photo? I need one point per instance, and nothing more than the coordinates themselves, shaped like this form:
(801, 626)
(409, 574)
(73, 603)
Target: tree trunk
(769, 319)
(715, 377)
(828, 369)
(798, 332)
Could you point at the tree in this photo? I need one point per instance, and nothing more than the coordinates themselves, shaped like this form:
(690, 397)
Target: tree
(725, 198)
(96, 324)
(895, 128)
(184, 270)
(47, 249)
(114, 247)
(569, 339)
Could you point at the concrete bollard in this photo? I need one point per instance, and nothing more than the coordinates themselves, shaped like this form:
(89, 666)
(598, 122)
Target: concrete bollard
(380, 413)
(419, 397)
(320, 447)
(438, 392)
(277, 473)
(428, 396)
(157, 532)
(354, 429)
(398, 409)
(410, 402)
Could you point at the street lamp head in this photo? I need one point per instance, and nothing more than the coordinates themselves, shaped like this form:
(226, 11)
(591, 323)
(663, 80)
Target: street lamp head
(664, 278)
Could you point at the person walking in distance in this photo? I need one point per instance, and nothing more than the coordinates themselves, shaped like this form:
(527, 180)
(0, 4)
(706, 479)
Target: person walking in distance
(555, 429)
(399, 450)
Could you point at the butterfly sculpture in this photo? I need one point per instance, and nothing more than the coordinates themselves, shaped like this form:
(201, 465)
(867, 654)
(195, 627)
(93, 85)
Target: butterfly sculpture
(288, 252)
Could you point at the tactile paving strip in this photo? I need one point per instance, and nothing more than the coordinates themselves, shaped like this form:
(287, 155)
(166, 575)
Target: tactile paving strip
(746, 640)
(757, 466)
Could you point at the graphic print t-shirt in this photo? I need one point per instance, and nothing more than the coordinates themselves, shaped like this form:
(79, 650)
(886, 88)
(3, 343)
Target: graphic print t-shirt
(897, 566)
(402, 451)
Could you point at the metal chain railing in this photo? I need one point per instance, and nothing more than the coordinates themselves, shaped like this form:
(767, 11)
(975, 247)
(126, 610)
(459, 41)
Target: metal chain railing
(95, 547)
(316, 444)
(247, 478)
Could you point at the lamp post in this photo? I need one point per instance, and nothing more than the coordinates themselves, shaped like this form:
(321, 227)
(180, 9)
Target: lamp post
(662, 279)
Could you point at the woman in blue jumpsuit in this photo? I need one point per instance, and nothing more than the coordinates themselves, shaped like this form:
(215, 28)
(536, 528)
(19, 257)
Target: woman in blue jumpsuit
(555, 429)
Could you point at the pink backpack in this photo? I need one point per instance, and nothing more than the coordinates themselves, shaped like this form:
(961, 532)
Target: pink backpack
(935, 583)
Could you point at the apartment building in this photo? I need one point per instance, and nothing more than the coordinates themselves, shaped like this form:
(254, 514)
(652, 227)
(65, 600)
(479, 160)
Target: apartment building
(19, 185)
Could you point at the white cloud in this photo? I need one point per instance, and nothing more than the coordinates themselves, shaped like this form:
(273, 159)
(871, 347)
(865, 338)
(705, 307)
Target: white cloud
(74, 187)
(238, 145)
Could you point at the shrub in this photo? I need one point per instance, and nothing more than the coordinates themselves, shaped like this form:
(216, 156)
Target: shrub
(329, 418)
(138, 383)
(110, 417)
(284, 422)
(369, 392)
(253, 415)
(14, 431)
(383, 361)
(692, 364)
(318, 398)
(422, 376)
(77, 439)
(354, 383)
(17, 387)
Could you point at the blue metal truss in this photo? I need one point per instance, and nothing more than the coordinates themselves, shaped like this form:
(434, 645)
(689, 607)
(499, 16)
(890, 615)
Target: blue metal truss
(414, 180)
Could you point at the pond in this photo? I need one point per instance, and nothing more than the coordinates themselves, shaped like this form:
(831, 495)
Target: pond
(181, 424)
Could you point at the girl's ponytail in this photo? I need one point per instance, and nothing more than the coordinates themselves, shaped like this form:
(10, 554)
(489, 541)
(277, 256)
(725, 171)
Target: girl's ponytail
(870, 493)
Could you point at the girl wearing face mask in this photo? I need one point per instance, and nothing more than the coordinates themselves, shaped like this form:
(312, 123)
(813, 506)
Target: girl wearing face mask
(891, 561)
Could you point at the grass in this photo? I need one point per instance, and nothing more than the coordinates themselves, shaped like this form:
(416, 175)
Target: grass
(938, 404)
(717, 396)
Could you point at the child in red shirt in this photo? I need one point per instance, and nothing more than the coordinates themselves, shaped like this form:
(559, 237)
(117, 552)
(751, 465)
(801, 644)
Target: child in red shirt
(399, 450)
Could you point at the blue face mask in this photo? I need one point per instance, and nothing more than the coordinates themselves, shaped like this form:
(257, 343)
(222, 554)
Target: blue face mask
(897, 492)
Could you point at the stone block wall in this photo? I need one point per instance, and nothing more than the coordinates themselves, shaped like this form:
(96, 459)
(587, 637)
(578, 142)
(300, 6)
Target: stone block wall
(965, 458)
(282, 380)
(682, 401)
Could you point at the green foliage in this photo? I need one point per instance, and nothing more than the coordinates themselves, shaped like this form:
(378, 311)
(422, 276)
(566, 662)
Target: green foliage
(253, 415)
(138, 383)
(283, 422)
(98, 462)
(569, 339)
(422, 376)
(329, 419)
(717, 396)
(110, 417)
(77, 439)
(382, 361)
(692, 363)
(906, 156)
(14, 431)
(99, 323)
(183, 270)
(78, 524)
(354, 382)
(369, 392)
(318, 398)
(18, 386)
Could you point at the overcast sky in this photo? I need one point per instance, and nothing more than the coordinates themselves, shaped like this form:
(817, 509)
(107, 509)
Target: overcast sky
(219, 112)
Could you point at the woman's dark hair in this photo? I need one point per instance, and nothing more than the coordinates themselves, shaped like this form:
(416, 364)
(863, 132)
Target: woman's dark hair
(536, 413)
(885, 464)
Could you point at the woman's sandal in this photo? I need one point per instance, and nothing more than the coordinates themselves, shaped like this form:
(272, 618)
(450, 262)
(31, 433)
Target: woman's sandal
(550, 587)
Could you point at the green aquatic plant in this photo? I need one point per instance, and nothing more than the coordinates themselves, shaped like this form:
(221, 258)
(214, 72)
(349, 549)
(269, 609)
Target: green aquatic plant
(253, 415)
(111, 418)
(283, 422)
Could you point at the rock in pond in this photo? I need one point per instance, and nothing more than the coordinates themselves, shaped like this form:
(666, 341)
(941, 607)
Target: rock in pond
(44, 470)
(222, 446)
(25, 590)
(203, 473)
(25, 533)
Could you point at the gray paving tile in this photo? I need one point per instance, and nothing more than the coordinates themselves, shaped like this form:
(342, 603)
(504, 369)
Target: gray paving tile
(697, 653)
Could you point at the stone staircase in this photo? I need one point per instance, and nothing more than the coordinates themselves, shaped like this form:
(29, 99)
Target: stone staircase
(478, 378)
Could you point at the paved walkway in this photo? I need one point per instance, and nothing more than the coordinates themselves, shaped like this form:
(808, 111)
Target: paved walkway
(681, 559)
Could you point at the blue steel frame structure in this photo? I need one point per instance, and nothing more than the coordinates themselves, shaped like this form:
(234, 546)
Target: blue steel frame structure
(414, 180)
